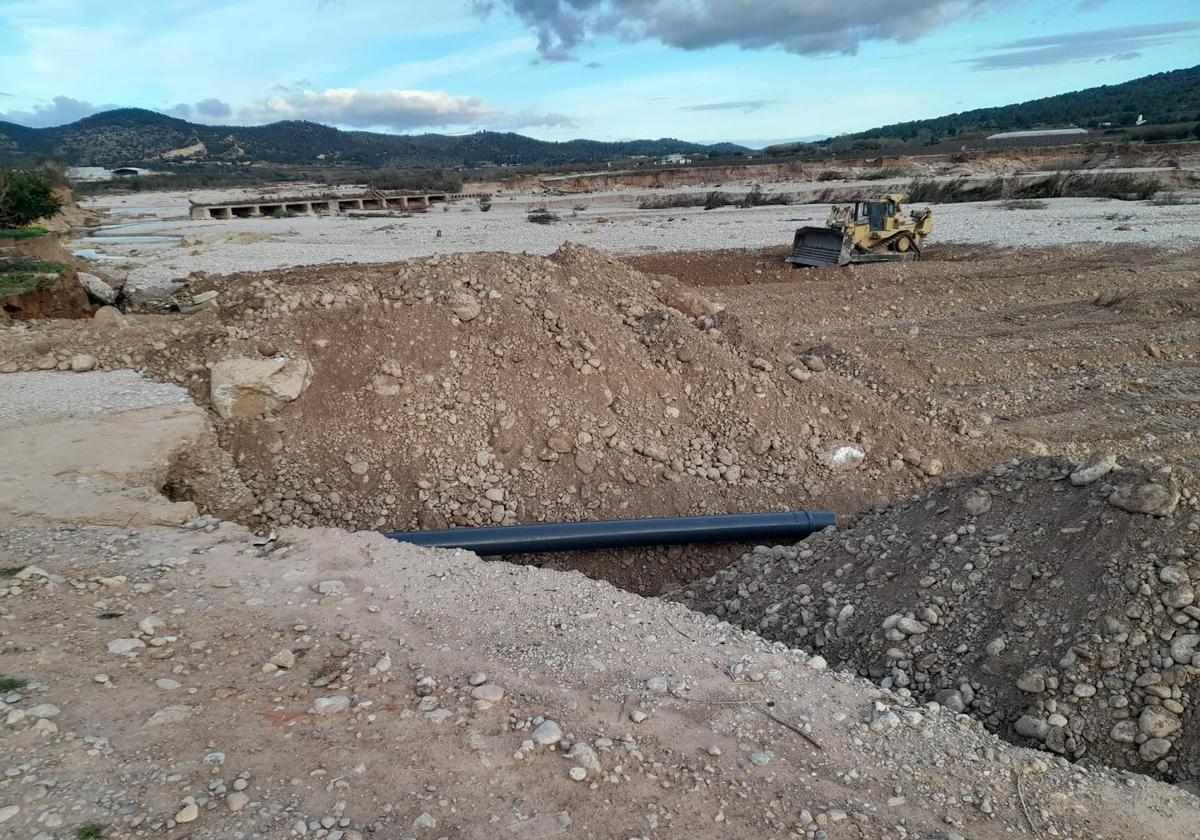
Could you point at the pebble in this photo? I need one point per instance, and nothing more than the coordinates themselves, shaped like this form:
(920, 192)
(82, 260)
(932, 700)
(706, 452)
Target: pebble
(546, 733)
(489, 692)
(188, 813)
(236, 801)
(125, 646)
(329, 705)
(578, 773)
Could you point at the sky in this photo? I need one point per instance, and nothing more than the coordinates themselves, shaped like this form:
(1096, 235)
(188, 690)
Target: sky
(751, 71)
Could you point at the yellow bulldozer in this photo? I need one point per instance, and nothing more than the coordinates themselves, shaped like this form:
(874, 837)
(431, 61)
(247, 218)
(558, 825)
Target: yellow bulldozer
(869, 230)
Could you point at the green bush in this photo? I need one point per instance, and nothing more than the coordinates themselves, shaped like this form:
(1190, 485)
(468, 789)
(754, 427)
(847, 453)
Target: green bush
(422, 180)
(25, 197)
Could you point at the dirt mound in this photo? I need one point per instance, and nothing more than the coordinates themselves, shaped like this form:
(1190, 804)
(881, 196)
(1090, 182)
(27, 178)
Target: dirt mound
(492, 389)
(1055, 611)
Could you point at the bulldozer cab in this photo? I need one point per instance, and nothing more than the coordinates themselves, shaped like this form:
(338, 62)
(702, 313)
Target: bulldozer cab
(875, 213)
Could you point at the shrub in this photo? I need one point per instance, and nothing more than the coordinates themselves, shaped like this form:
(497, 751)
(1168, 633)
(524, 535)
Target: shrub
(23, 233)
(829, 175)
(1024, 204)
(431, 180)
(485, 203)
(21, 274)
(25, 197)
(542, 216)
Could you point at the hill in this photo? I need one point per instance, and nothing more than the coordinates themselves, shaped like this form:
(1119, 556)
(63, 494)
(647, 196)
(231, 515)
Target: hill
(133, 136)
(1161, 99)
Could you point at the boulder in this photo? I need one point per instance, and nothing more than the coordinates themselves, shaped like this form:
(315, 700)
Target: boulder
(1094, 468)
(97, 288)
(1150, 498)
(249, 388)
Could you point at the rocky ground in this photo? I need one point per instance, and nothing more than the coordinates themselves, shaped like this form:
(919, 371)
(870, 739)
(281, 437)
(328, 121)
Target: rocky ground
(1052, 601)
(192, 680)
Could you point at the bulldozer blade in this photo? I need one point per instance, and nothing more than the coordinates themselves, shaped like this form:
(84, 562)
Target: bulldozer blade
(818, 246)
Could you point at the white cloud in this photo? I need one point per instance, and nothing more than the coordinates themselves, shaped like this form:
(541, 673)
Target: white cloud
(58, 111)
(397, 110)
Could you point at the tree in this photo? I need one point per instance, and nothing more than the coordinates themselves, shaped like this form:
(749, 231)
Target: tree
(25, 197)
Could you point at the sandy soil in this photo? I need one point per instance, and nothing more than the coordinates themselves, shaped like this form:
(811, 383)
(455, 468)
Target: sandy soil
(609, 221)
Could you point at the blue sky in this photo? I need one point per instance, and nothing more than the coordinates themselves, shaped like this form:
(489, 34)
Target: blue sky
(705, 70)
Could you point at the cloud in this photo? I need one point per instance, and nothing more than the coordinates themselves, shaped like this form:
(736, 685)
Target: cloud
(394, 110)
(812, 27)
(1089, 5)
(745, 105)
(58, 111)
(213, 108)
(398, 110)
(1119, 43)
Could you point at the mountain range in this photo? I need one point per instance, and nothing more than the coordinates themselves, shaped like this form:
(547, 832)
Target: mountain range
(137, 137)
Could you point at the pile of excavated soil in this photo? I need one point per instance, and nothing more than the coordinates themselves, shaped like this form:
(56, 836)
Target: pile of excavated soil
(494, 389)
(1054, 602)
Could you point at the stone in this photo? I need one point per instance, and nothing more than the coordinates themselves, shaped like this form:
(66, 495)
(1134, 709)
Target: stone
(254, 388)
(330, 705)
(1149, 498)
(1178, 596)
(1028, 726)
(151, 624)
(759, 759)
(842, 457)
(1156, 722)
(911, 626)
(578, 774)
(44, 710)
(977, 502)
(637, 716)
(546, 733)
(1032, 682)
(1154, 749)
(331, 587)
(488, 692)
(236, 801)
(800, 374)
(97, 288)
(465, 306)
(188, 813)
(284, 659)
(1094, 468)
(166, 684)
(168, 715)
(82, 362)
(109, 319)
(125, 646)
(7, 812)
(585, 756)
(477, 678)
(1183, 647)
(1124, 732)
(814, 363)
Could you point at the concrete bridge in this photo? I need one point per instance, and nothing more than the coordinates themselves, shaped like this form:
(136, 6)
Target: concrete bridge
(312, 205)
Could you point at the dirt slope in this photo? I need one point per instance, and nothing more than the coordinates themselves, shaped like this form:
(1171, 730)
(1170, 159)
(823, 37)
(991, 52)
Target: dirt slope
(1044, 607)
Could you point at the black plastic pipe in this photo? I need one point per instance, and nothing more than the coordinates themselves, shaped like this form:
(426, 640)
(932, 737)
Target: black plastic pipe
(625, 533)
